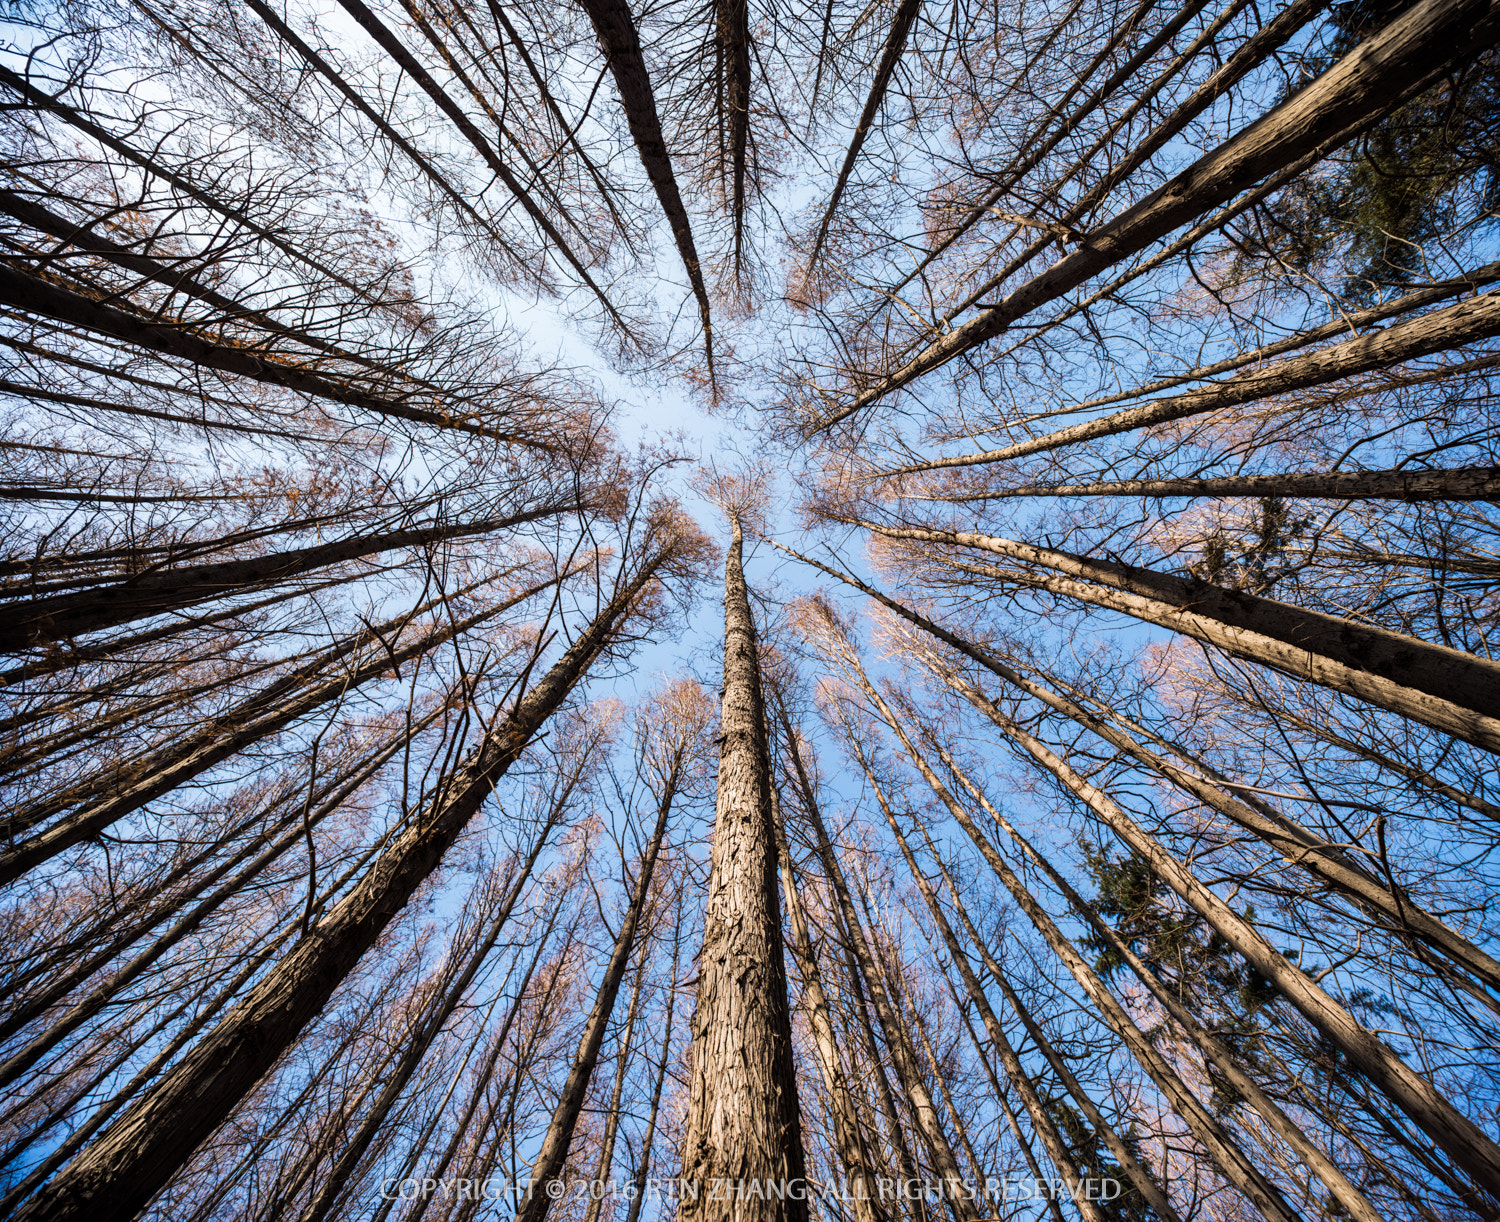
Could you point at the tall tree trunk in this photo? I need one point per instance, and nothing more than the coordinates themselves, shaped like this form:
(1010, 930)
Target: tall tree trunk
(850, 1141)
(559, 1136)
(643, 1166)
(890, 56)
(392, 46)
(1139, 1176)
(620, 41)
(1448, 689)
(1404, 484)
(331, 1184)
(604, 1165)
(115, 1177)
(1394, 64)
(743, 1119)
(64, 615)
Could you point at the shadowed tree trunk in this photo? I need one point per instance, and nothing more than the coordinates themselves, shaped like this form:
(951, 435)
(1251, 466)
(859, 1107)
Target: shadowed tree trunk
(895, 44)
(114, 1178)
(621, 44)
(1395, 64)
(63, 615)
(1448, 689)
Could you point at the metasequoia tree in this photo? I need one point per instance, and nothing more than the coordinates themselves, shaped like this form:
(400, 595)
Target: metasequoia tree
(1130, 367)
(743, 1120)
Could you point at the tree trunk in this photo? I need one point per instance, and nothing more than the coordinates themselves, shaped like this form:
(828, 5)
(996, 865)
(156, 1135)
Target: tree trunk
(1445, 688)
(1385, 70)
(65, 615)
(1407, 484)
(117, 1176)
(559, 1136)
(868, 1206)
(615, 28)
(743, 1119)
(895, 44)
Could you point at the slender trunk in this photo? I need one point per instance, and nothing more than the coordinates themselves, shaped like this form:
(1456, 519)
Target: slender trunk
(267, 712)
(1448, 689)
(732, 34)
(895, 44)
(1140, 1177)
(606, 1161)
(853, 1153)
(1004, 1102)
(116, 1176)
(1299, 846)
(616, 31)
(65, 615)
(743, 1119)
(357, 100)
(859, 1018)
(1382, 72)
(928, 1121)
(1458, 484)
(1221, 1147)
(1465, 322)
(643, 1167)
(559, 1136)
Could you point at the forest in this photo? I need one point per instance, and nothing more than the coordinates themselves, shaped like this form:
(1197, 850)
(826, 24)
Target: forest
(750, 610)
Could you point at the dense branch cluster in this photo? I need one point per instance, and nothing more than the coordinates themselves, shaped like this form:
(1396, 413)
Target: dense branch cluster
(1098, 813)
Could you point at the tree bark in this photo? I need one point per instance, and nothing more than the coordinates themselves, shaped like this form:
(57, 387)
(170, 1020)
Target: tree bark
(743, 1118)
(1406, 484)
